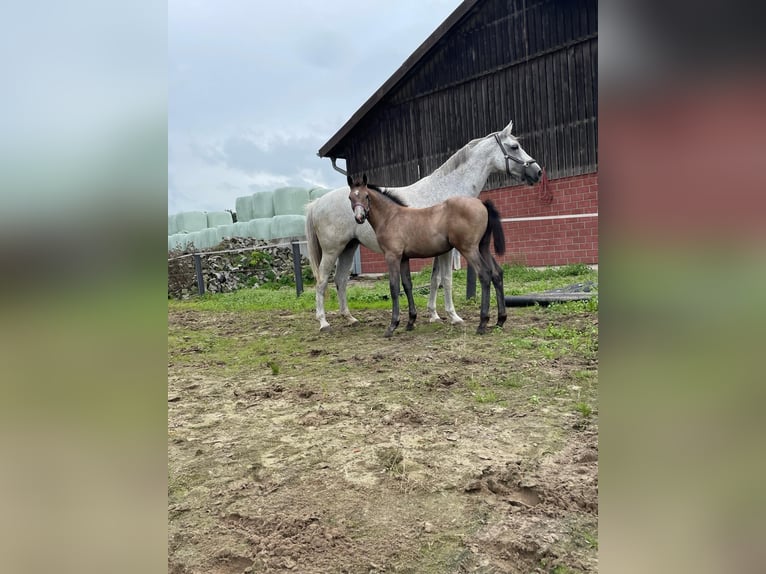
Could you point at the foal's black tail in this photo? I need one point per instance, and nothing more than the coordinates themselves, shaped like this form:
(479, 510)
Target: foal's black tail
(494, 228)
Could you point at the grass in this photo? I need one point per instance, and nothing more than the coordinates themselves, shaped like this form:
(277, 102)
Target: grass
(375, 295)
(549, 339)
(259, 353)
(274, 367)
(590, 539)
(391, 459)
(584, 409)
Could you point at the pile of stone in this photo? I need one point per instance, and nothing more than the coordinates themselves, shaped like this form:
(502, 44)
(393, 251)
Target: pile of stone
(246, 263)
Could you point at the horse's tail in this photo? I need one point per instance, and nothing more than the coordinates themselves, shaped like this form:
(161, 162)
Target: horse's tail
(494, 228)
(314, 247)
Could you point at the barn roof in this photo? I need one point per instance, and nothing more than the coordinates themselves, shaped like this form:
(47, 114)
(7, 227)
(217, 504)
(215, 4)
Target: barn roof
(327, 149)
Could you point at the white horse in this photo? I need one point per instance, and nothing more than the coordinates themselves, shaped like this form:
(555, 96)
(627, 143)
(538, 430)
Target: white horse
(333, 234)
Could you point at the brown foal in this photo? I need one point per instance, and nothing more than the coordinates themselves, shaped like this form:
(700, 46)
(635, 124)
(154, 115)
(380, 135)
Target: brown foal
(465, 223)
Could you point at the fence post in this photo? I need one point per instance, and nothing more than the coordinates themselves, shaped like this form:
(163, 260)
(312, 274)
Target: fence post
(198, 271)
(297, 269)
(470, 283)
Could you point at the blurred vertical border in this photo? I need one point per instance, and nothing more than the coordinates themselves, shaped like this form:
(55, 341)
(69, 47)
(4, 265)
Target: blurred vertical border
(682, 282)
(83, 180)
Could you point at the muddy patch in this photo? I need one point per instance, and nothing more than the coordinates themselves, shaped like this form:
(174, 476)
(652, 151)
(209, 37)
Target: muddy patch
(436, 451)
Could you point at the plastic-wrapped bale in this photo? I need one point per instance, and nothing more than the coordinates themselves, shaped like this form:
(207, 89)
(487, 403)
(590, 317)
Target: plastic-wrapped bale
(244, 208)
(191, 221)
(259, 228)
(196, 240)
(263, 204)
(212, 237)
(318, 192)
(179, 241)
(186, 240)
(240, 228)
(228, 230)
(218, 218)
(290, 200)
(182, 241)
(172, 225)
(288, 226)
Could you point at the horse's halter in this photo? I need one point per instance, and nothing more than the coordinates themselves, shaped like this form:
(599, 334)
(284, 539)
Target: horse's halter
(509, 156)
(365, 208)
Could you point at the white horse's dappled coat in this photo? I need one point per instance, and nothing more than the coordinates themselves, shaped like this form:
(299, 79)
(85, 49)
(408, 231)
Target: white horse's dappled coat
(333, 234)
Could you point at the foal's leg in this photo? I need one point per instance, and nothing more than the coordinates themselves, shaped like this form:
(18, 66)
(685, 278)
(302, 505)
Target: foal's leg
(342, 271)
(496, 275)
(484, 279)
(497, 281)
(407, 284)
(393, 284)
(484, 275)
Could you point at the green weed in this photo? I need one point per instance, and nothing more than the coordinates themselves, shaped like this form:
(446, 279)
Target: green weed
(274, 367)
(584, 409)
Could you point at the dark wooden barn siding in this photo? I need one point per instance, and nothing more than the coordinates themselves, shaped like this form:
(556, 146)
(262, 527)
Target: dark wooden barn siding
(532, 62)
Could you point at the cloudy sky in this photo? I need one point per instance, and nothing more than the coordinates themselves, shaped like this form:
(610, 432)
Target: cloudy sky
(257, 87)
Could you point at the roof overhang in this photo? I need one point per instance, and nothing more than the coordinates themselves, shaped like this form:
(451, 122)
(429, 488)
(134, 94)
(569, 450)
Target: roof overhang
(327, 150)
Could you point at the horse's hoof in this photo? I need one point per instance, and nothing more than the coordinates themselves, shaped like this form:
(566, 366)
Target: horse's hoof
(457, 321)
(481, 330)
(388, 334)
(410, 327)
(325, 329)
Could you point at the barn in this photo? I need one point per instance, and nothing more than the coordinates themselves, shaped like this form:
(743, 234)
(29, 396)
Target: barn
(490, 62)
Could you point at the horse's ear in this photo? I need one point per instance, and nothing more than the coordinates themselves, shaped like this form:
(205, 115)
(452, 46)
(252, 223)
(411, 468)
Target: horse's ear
(350, 181)
(509, 127)
(364, 179)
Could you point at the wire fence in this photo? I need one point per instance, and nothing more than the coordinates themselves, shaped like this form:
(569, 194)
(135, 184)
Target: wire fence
(225, 270)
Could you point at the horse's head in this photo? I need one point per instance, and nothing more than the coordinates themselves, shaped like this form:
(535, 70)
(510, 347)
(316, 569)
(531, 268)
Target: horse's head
(514, 160)
(359, 196)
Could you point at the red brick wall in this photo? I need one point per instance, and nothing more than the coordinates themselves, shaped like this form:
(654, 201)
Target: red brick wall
(537, 242)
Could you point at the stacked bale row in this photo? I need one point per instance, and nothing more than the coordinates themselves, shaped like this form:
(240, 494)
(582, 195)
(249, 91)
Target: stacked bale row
(271, 216)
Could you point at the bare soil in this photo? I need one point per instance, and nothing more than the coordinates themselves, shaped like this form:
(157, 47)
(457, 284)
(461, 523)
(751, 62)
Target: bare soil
(438, 450)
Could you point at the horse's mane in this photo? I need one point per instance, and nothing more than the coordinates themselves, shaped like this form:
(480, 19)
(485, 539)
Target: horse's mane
(388, 194)
(459, 157)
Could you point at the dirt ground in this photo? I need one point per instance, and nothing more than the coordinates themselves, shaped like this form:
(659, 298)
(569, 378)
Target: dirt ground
(435, 451)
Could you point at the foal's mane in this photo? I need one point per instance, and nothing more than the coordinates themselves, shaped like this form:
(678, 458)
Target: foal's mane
(387, 193)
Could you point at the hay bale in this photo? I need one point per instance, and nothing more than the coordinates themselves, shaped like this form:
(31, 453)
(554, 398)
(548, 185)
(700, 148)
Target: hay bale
(290, 200)
(178, 241)
(191, 221)
(263, 204)
(196, 241)
(259, 228)
(318, 192)
(288, 226)
(244, 208)
(240, 229)
(211, 237)
(172, 225)
(218, 218)
(227, 231)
